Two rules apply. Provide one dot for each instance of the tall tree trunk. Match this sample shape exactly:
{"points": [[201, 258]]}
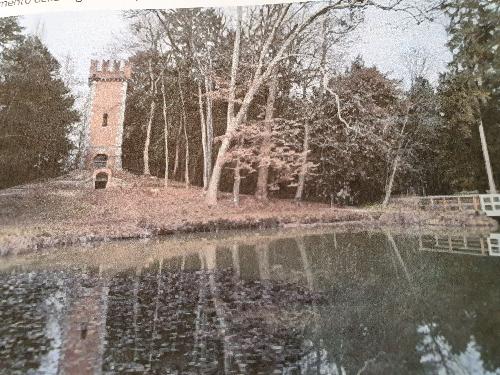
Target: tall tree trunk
{"points": [[390, 184], [167, 164], [205, 122], [166, 132], [237, 176], [213, 187], [80, 155], [186, 158], [152, 110], [177, 148], [484, 144], [146, 171], [203, 138], [262, 72], [486, 156], [265, 149], [323, 85], [184, 124], [303, 170], [237, 183], [209, 123]]}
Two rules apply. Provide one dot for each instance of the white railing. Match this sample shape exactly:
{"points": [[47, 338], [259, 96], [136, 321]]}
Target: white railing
{"points": [[494, 244], [486, 203], [461, 244], [490, 204]]}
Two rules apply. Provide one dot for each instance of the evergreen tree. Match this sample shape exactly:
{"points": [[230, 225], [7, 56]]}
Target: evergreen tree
{"points": [[474, 42], [459, 159], [420, 144], [10, 31], [474, 82], [353, 139], [35, 114]]}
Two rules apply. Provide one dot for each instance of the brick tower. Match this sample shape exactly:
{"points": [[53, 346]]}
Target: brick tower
{"points": [[108, 89]]}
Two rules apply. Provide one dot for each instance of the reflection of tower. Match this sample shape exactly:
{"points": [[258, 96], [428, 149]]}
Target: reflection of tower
{"points": [[108, 86], [84, 333]]}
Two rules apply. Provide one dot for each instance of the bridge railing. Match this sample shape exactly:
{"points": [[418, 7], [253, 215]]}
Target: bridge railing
{"points": [[490, 204], [494, 244], [486, 203], [443, 202]]}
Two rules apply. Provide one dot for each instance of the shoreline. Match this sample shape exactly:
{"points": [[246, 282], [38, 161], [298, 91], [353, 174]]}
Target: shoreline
{"points": [[112, 256], [340, 218], [61, 212]]}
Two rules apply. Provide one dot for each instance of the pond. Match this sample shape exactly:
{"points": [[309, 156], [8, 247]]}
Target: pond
{"points": [[322, 301]]}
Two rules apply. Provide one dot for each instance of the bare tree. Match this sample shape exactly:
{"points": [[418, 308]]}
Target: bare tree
{"points": [[416, 63], [177, 148], [206, 121], [165, 129], [265, 149], [184, 127], [204, 143], [262, 72], [82, 104], [192, 35], [395, 164], [152, 110], [146, 38], [278, 31], [237, 182], [304, 165], [266, 64]]}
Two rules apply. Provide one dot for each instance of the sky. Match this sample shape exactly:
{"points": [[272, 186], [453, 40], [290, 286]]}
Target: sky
{"points": [[81, 35], [382, 40], [386, 36]]}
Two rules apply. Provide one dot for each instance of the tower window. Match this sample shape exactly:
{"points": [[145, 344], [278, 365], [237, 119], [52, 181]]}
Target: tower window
{"points": [[105, 119], [100, 161]]}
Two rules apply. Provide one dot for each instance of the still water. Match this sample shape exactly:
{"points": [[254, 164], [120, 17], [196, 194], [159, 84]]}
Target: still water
{"points": [[322, 302]]}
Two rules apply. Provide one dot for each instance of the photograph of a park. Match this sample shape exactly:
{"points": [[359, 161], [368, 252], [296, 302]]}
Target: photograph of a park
{"points": [[300, 188]]}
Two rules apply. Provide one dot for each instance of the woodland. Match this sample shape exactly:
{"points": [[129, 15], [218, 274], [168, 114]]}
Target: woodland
{"points": [[263, 101]]}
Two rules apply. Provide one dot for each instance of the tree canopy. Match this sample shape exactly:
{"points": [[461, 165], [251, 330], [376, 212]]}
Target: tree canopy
{"points": [[35, 114], [264, 101]]}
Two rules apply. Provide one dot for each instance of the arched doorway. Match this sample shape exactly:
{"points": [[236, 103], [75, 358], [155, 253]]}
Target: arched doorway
{"points": [[100, 161], [101, 180]]}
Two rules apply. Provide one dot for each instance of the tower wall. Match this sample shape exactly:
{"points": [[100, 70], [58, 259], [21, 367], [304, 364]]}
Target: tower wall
{"points": [[108, 85]]}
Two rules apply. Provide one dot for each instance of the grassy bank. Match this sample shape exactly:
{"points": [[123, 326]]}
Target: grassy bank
{"points": [[62, 213]]}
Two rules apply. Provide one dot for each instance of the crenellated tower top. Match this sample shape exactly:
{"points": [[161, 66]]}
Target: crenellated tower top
{"points": [[110, 70]]}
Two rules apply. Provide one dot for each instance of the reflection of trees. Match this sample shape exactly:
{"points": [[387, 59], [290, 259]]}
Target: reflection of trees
{"points": [[368, 321], [381, 291], [49, 322], [458, 299], [450, 294], [437, 355], [25, 301], [206, 319], [252, 308]]}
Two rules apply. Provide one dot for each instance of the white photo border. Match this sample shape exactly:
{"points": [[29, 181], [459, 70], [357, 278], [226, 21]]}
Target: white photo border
{"points": [[26, 7]]}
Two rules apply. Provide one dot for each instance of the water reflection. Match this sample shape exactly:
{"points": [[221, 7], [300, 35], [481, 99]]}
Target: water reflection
{"points": [[325, 303], [461, 244]]}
